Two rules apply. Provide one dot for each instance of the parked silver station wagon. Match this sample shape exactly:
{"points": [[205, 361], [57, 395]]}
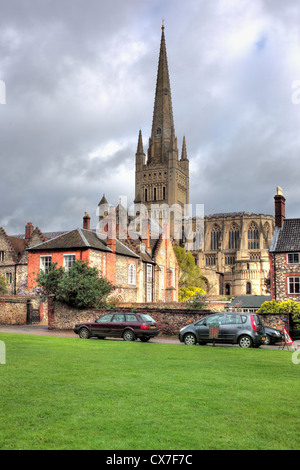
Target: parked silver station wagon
{"points": [[245, 329]]}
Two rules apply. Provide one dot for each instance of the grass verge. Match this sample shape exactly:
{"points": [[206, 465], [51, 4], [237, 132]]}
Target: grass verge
{"points": [[65, 393]]}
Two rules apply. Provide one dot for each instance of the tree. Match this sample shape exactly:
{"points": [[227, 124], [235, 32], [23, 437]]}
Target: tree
{"points": [[3, 285], [190, 275], [284, 306], [80, 286]]}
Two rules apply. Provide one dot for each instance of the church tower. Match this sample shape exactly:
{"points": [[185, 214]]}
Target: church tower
{"points": [[163, 178]]}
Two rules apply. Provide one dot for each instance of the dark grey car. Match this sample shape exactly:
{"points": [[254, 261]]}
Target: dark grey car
{"points": [[245, 329]]}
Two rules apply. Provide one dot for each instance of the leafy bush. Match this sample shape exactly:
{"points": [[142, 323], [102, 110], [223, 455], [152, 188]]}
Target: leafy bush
{"points": [[188, 293], [284, 306], [198, 301], [80, 286]]}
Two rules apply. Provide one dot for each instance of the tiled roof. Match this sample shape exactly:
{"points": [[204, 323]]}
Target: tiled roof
{"points": [[287, 238], [81, 238]]}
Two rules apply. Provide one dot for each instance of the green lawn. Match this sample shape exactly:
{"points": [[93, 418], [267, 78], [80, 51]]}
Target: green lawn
{"points": [[65, 393]]}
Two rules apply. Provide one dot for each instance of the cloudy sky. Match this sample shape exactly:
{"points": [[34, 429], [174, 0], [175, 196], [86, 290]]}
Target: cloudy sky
{"points": [[80, 79]]}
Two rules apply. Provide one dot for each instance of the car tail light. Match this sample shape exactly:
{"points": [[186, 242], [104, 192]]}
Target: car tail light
{"points": [[253, 324], [144, 327]]}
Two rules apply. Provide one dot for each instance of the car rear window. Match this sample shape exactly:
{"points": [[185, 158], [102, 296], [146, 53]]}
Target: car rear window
{"points": [[145, 317], [257, 320]]}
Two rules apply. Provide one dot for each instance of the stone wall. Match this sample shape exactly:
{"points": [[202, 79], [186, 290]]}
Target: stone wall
{"points": [[13, 310], [170, 320], [62, 317]]}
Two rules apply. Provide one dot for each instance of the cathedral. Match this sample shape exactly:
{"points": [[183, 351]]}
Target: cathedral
{"points": [[162, 179], [234, 256]]}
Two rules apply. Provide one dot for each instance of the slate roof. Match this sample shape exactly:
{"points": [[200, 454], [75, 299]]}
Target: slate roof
{"points": [[81, 238], [249, 301], [287, 238]]}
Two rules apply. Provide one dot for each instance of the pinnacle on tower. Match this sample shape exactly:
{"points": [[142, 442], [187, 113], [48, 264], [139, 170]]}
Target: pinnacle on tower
{"points": [[183, 153], [140, 148]]}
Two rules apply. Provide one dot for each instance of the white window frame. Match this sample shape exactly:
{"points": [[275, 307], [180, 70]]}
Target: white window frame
{"points": [[293, 255], [45, 266], [67, 265], [149, 293], [162, 277], [132, 274], [149, 272], [293, 278]]}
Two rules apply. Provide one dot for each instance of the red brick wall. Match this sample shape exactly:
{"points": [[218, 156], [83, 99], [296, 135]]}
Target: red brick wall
{"points": [[57, 257]]}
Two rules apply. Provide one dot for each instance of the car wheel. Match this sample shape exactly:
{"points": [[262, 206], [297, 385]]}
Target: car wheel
{"points": [[245, 341], [190, 339], [128, 335], [84, 333], [144, 339], [267, 341]]}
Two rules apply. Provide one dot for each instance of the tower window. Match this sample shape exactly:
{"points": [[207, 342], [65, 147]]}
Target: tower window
{"points": [[158, 131], [146, 195], [253, 237], [164, 192], [154, 195]]}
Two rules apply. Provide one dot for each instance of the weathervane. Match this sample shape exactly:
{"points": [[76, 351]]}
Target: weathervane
{"points": [[163, 24]]}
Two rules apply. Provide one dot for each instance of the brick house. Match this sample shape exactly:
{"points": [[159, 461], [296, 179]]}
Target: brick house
{"points": [[14, 255], [285, 254], [142, 270]]}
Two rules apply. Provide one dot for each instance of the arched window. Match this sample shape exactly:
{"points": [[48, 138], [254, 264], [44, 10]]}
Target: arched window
{"points": [[215, 238], [146, 195], [234, 234], [248, 288], [253, 237], [227, 289]]}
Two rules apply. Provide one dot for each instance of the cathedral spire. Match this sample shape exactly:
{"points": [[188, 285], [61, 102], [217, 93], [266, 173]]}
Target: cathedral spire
{"points": [[163, 133]]}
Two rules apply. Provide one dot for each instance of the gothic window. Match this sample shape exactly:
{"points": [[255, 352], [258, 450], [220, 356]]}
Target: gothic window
{"points": [[253, 237], [234, 234], [248, 288], [215, 238], [146, 195], [210, 260], [164, 193], [230, 259], [155, 194], [158, 131], [227, 289]]}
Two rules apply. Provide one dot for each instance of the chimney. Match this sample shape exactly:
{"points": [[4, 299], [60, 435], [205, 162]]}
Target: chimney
{"points": [[86, 221], [110, 228], [28, 230], [146, 231], [279, 208]]}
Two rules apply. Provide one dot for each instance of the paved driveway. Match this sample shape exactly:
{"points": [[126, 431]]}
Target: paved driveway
{"points": [[42, 329]]}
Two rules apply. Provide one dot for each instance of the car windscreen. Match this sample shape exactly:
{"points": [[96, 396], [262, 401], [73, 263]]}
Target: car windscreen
{"points": [[145, 317]]}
